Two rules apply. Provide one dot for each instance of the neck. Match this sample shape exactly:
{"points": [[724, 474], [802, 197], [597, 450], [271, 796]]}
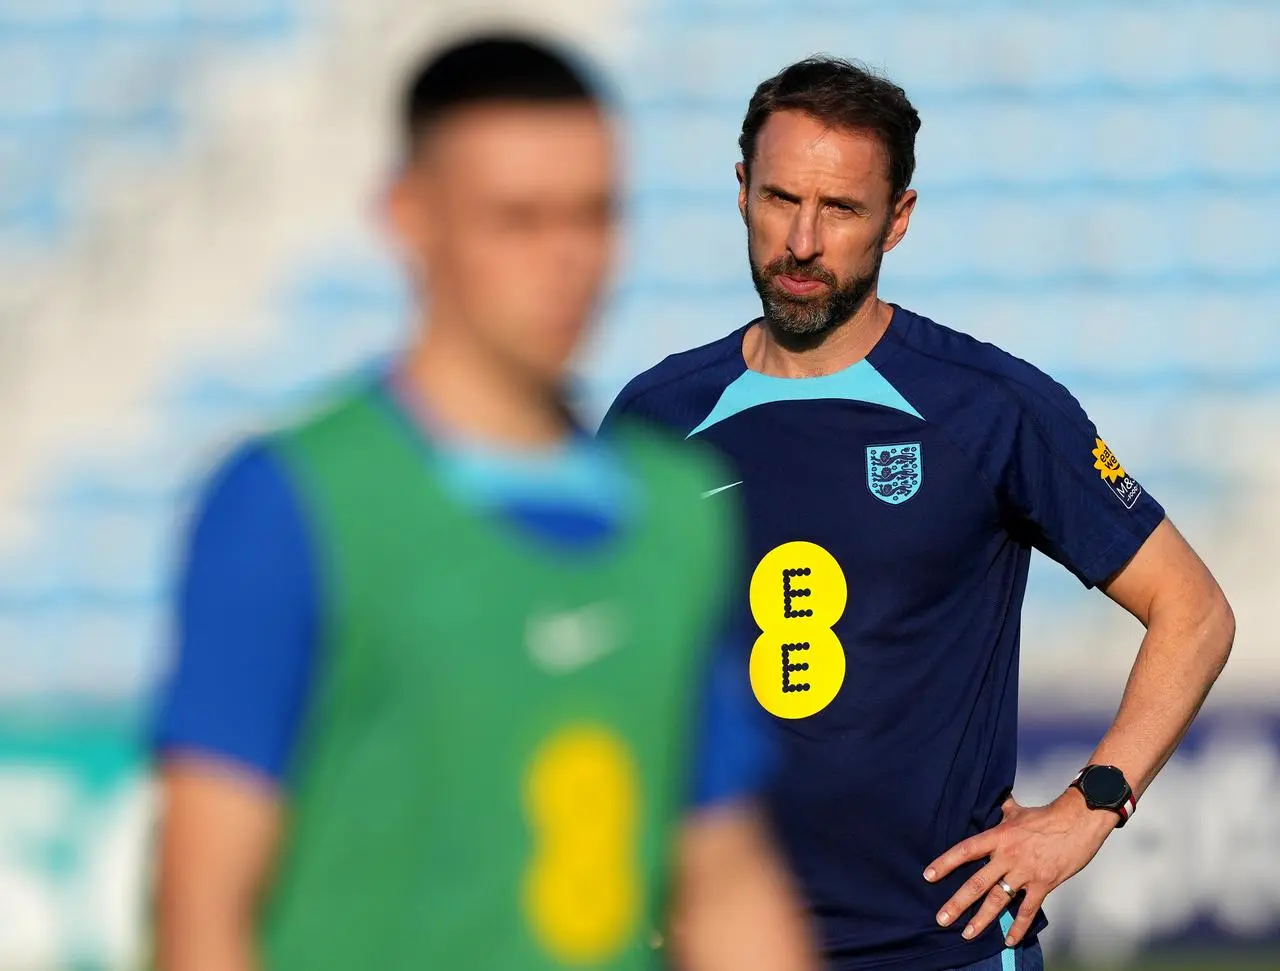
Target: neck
{"points": [[476, 396], [783, 357]]}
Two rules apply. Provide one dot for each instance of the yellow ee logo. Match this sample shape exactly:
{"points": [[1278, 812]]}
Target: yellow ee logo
{"points": [[798, 592], [582, 889]]}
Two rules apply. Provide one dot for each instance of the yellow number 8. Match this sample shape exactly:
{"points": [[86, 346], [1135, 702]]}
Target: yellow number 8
{"points": [[581, 889]]}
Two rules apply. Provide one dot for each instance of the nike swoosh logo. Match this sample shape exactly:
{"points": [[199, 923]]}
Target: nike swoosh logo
{"points": [[563, 642], [564, 660], [711, 492]]}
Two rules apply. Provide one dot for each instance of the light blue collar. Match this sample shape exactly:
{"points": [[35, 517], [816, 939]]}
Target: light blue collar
{"points": [[858, 382], [579, 472]]}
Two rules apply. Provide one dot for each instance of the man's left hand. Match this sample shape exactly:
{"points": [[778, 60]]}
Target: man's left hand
{"points": [[1032, 851]]}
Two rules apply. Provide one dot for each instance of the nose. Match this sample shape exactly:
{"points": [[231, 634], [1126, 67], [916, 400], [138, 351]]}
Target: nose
{"points": [[804, 241]]}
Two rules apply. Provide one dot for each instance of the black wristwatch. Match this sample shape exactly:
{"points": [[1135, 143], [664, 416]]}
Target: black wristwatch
{"points": [[1105, 787]]}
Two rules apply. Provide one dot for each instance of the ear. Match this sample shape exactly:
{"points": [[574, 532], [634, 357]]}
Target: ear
{"points": [[741, 171], [407, 212], [900, 220]]}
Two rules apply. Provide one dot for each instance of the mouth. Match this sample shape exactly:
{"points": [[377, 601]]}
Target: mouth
{"points": [[799, 286]]}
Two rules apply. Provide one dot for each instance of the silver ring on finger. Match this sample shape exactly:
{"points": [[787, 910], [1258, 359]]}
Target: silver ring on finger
{"points": [[1003, 885]]}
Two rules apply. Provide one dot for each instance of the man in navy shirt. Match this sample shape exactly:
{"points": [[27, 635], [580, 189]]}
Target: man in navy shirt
{"points": [[897, 476]]}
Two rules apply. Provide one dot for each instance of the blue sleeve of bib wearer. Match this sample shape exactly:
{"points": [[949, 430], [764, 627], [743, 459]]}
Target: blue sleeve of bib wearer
{"points": [[734, 754], [246, 625]]}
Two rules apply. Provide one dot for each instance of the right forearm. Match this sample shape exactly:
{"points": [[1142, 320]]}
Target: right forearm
{"points": [[204, 945], [218, 834], [736, 909], [747, 929]]}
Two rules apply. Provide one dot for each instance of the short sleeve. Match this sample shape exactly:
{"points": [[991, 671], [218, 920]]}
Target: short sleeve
{"points": [[734, 754], [1063, 485], [618, 411], [246, 624], [634, 405]]}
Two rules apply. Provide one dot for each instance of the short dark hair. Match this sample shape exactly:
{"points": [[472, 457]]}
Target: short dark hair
{"points": [[491, 67], [842, 94]]}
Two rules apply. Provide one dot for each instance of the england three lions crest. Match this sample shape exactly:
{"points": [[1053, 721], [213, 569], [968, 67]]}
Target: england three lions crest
{"points": [[894, 472]]}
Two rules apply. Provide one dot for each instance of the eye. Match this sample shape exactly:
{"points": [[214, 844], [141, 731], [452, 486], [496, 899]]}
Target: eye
{"points": [[774, 195], [841, 207]]}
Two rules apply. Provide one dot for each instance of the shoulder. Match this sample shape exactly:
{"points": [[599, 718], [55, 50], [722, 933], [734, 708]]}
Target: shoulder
{"points": [[947, 373], [336, 424], [249, 526], [249, 485], [256, 495], [678, 391]]}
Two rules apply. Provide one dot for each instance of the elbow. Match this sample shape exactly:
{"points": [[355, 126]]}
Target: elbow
{"points": [[1220, 628]]}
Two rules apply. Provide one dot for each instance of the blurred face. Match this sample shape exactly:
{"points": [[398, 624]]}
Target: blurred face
{"points": [[820, 216], [508, 217]]}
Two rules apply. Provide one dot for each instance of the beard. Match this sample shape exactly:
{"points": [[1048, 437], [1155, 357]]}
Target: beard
{"points": [[810, 318]]}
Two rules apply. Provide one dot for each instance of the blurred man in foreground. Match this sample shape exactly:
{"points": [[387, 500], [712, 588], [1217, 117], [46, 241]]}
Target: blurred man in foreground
{"points": [[447, 665], [897, 475]]}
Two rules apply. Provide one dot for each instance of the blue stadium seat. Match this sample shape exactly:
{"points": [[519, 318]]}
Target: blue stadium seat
{"points": [[30, 649], [1132, 140], [136, 14], [1231, 138], [40, 15], [961, 51], [127, 81], [120, 550], [31, 573], [1235, 234], [34, 80], [141, 638], [683, 149], [1234, 45], [700, 243], [32, 209], [245, 18], [1141, 47]]}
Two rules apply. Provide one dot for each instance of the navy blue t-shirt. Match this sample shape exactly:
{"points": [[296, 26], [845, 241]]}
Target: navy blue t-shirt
{"points": [[892, 508]]}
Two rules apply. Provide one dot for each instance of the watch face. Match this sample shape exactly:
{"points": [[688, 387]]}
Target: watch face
{"points": [[1104, 786]]}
